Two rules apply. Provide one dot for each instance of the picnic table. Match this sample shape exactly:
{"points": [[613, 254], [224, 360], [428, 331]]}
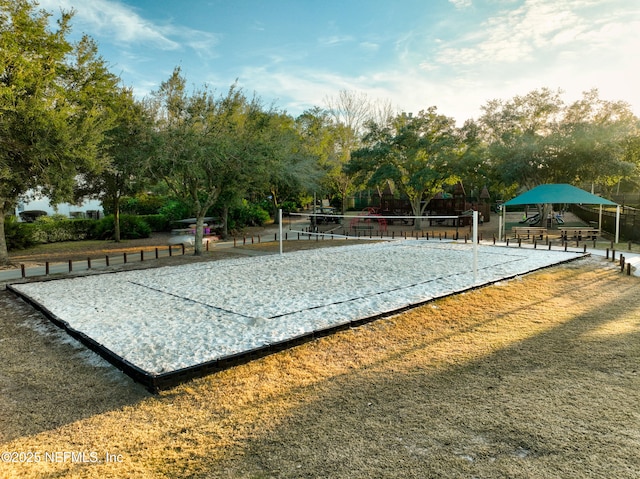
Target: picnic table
{"points": [[579, 233], [529, 231]]}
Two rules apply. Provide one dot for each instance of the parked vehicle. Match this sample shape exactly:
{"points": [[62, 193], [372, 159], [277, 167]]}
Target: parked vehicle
{"points": [[327, 214]]}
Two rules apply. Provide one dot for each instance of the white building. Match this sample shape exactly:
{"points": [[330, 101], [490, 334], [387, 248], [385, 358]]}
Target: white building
{"points": [[86, 209]]}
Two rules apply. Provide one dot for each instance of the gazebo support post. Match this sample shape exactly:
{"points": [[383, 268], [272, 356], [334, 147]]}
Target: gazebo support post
{"points": [[617, 223]]}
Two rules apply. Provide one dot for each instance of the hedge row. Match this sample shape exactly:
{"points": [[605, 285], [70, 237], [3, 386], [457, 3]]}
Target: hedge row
{"points": [[52, 229]]}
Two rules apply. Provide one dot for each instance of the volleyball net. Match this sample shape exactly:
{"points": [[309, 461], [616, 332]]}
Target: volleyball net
{"points": [[370, 224]]}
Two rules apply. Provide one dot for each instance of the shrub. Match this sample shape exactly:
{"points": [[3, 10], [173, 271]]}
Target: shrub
{"points": [[18, 235], [248, 214], [157, 222], [52, 229], [131, 227]]}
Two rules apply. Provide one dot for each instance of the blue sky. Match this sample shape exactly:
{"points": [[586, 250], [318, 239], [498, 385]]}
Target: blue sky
{"points": [[454, 54]]}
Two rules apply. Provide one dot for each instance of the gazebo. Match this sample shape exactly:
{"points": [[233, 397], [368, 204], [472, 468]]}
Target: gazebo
{"points": [[560, 194]]}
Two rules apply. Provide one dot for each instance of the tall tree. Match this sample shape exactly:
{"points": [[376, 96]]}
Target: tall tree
{"points": [[519, 134], [55, 106], [205, 145], [126, 145], [349, 112], [417, 153], [536, 138], [592, 142], [292, 166]]}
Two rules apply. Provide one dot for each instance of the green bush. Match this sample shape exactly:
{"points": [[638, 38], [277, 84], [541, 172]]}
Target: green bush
{"points": [[56, 228], [175, 210], [248, 214], [131, 227], [18, 235], [289, 206], [157, 222]]}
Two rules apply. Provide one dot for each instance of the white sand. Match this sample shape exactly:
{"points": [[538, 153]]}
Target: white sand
{"points": [[169, 318]]}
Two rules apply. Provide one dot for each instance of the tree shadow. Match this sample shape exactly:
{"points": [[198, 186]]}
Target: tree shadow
{"points": [[48, 379], [559, 403]]}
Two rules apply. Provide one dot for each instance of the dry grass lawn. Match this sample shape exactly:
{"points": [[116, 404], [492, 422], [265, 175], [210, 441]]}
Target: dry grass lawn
{"points": [[532, 378]]}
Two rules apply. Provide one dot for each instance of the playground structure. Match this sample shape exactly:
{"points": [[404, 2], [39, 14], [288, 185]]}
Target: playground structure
{"points": [[442, 204], [536, 219], [367, 222]]}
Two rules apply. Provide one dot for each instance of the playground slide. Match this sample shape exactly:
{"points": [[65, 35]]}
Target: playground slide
{"points": [[532, 220]]}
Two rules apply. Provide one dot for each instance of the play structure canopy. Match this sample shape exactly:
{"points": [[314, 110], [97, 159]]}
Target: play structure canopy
{"points": [[558, 194]]}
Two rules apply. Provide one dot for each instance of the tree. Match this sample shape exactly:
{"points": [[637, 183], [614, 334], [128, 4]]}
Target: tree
{"points": [[536, 139], [126, 147], [205, 146], [292, 167], [349, 112], [54, 103], [417, 153], [472, 167], [592, 142], [519, 136]]}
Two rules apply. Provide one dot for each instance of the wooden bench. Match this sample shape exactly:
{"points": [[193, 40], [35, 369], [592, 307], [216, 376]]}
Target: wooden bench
{"points": [[579, 233], [529, 231]]}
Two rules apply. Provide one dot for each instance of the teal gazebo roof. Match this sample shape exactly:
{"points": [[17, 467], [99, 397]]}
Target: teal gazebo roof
{"points": [[558, 193]]}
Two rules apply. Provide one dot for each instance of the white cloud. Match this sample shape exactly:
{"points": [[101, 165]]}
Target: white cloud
{"points": [[124, 25], [461, 4], [335, 40], [370, 46]]}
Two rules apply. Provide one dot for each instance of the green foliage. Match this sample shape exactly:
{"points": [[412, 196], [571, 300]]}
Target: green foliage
{"points": [[175, 210], [418, 154], [19, 235], [537, 138], [289, 206], [142, 204], [56, 228], [55, 99], [131, 227], [157, 222], [248, 214]]}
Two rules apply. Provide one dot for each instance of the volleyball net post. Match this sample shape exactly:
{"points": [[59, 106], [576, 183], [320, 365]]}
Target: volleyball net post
{"points": [[280, 229], [475, 246]]}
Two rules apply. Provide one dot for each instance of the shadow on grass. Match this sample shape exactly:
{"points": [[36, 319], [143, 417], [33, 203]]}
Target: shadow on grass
{"points": [[556, 399], [535, 377], [49, 380]]}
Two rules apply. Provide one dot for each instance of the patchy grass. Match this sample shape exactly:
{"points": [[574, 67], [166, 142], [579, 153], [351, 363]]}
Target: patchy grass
{"points": [[535, 377]]}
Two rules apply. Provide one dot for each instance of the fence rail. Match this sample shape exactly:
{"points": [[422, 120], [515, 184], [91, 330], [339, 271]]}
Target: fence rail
{"points": [[629, 220]]}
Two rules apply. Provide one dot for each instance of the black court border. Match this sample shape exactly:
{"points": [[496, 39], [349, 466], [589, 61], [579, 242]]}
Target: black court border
{"points": [[159, 382]]}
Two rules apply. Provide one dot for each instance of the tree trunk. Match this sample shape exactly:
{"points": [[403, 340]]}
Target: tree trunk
{"points": [[197, 250], [116, 219], [225, 222], [417, 211], [4, 253], [275, 207]]}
